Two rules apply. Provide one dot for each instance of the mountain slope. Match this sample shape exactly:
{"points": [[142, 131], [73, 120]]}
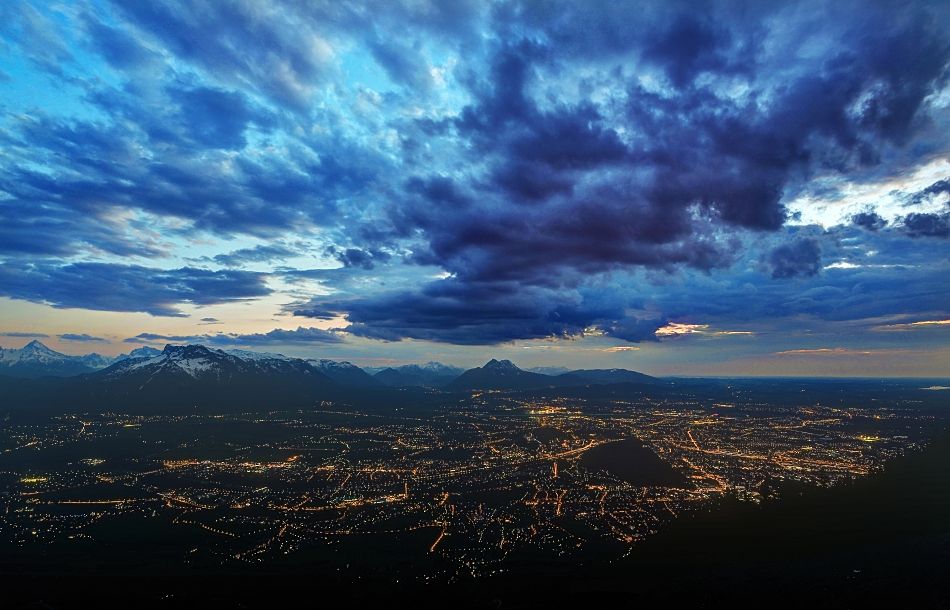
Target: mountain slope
{"points": [[431, 375], [198, 375], [345, 373]]}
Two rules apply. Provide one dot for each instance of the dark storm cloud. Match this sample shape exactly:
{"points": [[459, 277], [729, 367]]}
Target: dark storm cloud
{"points": [[927, 225], [454, 314], [356, 257], [634, 330], [257, 254], [438, 190], [571, 142], [82, 338], [468, 313], [690, 46], [692, 158], [734, 158], [112, 287], [796, 259], [869, 220]]}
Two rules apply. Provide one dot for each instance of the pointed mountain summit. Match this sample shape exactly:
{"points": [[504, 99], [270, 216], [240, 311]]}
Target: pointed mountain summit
{"points": [[36, 349], [501, 366], [499, 375], [35, 360]]}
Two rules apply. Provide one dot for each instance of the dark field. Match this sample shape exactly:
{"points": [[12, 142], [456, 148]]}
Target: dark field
{"points": [[633, 462]]}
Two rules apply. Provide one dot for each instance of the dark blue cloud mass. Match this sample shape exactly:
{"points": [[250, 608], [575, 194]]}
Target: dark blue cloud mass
{"points": [[17, 334], [477, 173], [927, 225], [112, 287], [799, 258], [869, 220]]}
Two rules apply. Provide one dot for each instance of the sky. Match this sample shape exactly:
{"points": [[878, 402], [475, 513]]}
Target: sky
{"points": [[681, 188]]}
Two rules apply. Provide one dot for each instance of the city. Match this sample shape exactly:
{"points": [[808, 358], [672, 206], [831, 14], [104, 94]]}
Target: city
{"points": [[463, 490]]}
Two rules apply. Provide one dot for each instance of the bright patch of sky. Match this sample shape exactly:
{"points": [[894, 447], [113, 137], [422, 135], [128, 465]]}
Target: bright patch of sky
{"points": [[890, 198]]}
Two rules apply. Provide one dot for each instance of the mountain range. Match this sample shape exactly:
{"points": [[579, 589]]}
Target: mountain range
{"points": [[200, 375], [35, 360], [429, 375]]}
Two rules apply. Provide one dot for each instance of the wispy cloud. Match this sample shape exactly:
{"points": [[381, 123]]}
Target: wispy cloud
{"points": [[837, 351], [23, 334], [677, 329], [922, 324], [82, 338]]}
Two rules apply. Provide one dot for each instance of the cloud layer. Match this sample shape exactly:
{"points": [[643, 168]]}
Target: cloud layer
{"points": [[475, 173]]}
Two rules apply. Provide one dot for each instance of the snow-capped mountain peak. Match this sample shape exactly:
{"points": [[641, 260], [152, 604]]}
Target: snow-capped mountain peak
{"points": [[439, 368], [37, 360], [244, 354], [38, 352], [144, 352], [34, 352]]}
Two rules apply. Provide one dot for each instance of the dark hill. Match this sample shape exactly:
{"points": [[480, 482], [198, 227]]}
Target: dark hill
{"points": [[499, 375]]}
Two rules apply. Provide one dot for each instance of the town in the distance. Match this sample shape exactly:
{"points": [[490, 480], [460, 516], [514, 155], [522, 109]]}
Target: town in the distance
{"points": [[230, 459]]}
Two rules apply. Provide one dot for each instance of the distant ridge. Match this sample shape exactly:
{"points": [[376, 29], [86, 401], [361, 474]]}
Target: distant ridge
{"points": [[180, 371], [431, 374], [35, 360], [504, 375], [602, 376], [345, 373]]}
